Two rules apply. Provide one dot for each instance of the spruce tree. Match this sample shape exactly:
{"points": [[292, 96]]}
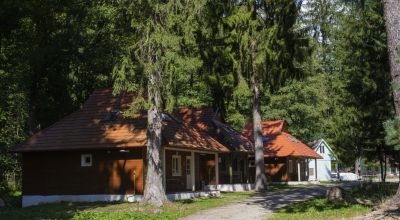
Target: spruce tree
{"points": [[159, 54]]}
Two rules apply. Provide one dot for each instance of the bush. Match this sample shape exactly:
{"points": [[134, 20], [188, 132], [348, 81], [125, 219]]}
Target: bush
{"points": [[11, 194]]}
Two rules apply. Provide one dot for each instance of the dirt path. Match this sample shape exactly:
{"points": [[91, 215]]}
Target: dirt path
{"points": [[259, 206]]}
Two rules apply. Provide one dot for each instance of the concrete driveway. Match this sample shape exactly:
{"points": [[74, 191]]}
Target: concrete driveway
{"points": [[261, 205]]}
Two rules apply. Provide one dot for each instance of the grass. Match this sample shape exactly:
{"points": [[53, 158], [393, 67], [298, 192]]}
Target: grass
{"points": [[278, 187], [328, 182], [92, 211], [376, 193], [319, 208]]}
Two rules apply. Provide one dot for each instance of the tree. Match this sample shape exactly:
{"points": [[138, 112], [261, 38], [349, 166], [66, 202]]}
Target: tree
{"points": [[270, 49], [392, 20], [161, 52]]}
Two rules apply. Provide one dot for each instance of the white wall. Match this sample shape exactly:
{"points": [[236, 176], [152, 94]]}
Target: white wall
{"points": [[324, 170], [324, 166]]}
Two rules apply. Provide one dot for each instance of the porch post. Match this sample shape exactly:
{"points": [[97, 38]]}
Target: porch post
{"points": [[230, 169], [164, 174], [216, 169], [316, 169], [192, 170], [298, 171]]}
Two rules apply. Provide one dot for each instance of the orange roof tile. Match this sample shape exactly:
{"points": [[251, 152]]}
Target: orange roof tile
{"points": [[207, 120], [279, 143], [84, 129]]}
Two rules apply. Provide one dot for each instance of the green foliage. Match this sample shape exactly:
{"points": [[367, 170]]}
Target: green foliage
{"points": [[52, 56], [362, 56], [163, 43], [392, 130], [306, 107]]}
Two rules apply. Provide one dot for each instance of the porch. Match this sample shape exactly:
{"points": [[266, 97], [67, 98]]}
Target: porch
{"points": [[286, 169], [189, 170]]}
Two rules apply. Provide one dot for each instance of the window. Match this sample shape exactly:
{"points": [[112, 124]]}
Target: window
{"points": [[311, 171], [222, 163], [235, 164], [264, 139], [188, 161], [86, 160], [252, 163], [111, 116], [322, 150], [176, 165], [290, 166]]}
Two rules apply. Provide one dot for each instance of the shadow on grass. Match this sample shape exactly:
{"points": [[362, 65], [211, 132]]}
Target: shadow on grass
{"points": [[62, 210], [185, 201], [319, 204]]}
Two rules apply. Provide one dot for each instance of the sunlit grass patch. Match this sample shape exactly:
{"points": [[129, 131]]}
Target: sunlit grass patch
{"points": [[94, 211], [319, 208]]}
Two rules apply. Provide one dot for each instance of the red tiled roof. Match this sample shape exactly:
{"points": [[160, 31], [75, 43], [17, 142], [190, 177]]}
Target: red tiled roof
{"points": [[84, 129], [206, 120], [279, 143]]}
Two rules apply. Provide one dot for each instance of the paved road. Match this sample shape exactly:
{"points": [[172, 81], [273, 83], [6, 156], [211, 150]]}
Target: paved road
{"points": [[259, 206]]}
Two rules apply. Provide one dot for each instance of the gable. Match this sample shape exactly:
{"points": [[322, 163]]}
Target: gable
{"points": [[327, 150]]}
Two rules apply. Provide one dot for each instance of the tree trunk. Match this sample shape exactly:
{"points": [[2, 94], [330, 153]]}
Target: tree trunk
{"points": [[385, 167], [391, 10], [357, 166], [261, 179], [392, 20], [381, 167], [154, 191]]}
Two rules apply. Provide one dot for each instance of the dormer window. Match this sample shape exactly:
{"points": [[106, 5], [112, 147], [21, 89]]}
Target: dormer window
{"points": [[165, 117], [86, 160], [111, 116], [264, 139]]}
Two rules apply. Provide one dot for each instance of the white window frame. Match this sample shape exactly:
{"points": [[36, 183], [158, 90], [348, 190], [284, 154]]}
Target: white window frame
{"points": [[176, 165], [290, 166], [188, 166], [83, 160]]}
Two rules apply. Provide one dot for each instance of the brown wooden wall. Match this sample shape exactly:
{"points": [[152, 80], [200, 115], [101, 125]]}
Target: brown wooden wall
{"points": [[276, 169], [206, 171], [60, 173], [175, 183], [240, 170], [303, 167]]}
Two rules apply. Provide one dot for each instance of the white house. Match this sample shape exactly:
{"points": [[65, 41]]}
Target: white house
{"points": [[321, 169]]}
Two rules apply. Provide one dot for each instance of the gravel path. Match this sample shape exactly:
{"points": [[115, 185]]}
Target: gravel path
{"points": [[259, 206]]}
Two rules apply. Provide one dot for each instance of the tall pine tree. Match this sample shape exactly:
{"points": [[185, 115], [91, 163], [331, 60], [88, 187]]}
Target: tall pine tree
{"points": [[162, 52]]}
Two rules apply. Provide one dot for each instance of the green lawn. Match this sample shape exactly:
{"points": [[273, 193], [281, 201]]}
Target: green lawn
{"points": [[319, 208], [90, 211]]}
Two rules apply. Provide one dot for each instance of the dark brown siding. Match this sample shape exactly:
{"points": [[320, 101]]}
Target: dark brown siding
{"points": [[276, 169], [240, 168], [206, 169], [175, 183], [60, 173]]}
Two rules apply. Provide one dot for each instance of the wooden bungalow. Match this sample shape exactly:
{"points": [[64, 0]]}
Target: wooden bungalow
{"points": [[286, 158], [233, 166], [96, 154]]}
